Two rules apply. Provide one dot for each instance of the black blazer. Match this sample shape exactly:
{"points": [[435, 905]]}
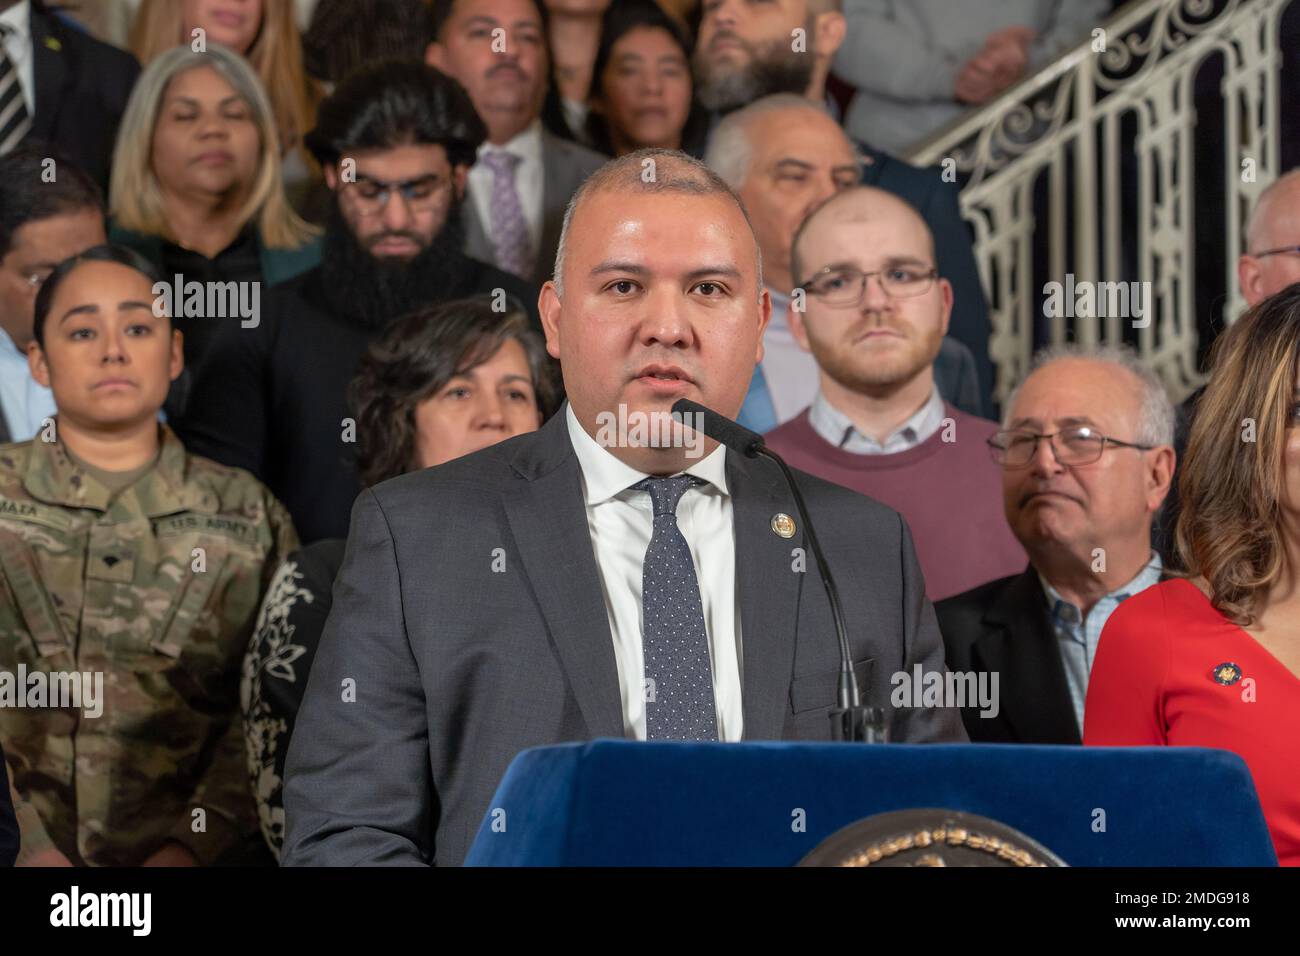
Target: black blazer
{"points": [[9, 840], [954, 255], [459, 668], [82, 86], [1004, 627]]}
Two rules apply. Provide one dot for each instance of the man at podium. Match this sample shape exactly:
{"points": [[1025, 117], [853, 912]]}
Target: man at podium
{"points": [[608, 575]]}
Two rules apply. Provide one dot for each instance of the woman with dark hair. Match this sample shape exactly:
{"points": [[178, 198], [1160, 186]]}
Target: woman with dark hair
{"points": [[440, 383], [641, 91], [1213, 659], [333, 46]]}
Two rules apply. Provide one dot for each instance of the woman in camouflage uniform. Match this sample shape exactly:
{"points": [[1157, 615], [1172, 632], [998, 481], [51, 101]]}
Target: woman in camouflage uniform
{"points": [[132, 573]]}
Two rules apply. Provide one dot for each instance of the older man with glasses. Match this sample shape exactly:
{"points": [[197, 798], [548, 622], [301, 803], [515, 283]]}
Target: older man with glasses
{"points": [[1087, 459], [872, 310], [1273, 240]]}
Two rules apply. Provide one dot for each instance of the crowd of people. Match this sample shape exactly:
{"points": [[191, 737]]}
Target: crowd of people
{"points": [[335, 523]]}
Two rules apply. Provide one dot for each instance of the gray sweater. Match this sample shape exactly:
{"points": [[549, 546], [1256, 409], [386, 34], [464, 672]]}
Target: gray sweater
{"points": [[904, 57]]}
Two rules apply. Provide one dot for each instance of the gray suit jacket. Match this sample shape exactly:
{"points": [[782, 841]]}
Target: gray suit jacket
{"points": [[564, 167], [469, 619]]}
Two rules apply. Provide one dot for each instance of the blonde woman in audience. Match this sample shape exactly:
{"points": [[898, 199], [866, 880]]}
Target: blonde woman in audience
{"points": [[265, 32], [196, 185]]}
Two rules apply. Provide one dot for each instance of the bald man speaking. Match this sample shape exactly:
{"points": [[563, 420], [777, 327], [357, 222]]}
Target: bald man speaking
{"points": [[608, 575]]}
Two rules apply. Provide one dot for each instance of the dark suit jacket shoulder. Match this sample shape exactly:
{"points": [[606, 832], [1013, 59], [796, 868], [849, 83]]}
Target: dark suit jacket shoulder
{"points": [[1003, 627], [469, 615], [82, 87]]}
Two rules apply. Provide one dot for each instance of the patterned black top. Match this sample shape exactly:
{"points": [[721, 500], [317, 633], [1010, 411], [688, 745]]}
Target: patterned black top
{"points": [[276, 666]]}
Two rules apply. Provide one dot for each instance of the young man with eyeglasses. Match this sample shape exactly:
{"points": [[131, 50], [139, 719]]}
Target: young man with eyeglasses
{"points": [[785, 156], [1087, 460], [396, 141], [875, 314], [44, 219]]}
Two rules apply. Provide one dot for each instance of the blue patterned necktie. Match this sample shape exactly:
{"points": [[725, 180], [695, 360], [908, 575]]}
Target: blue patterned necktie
{"points": [[679, 702]]}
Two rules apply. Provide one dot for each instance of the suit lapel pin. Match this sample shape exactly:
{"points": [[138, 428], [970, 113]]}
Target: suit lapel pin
{"points": [[52, 43], [783, 525], [1227, 674]]}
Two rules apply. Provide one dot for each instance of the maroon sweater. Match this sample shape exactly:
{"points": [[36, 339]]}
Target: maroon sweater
{"points": [[949, 493]]}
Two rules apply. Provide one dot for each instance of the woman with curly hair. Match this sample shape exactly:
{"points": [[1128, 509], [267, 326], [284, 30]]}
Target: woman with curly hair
{"points": [[441, 383], [1213, 659]]}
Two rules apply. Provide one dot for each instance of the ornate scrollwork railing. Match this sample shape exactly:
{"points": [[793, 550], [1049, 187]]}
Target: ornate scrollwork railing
{"points": [[1090, 162]]}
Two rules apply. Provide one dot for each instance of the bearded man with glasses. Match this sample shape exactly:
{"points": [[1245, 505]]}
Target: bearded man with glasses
{"points": [[1087, 459], [874, 315], [396, 141]]}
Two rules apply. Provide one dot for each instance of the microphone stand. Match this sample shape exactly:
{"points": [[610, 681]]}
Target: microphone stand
{"points": [[850, 719]]}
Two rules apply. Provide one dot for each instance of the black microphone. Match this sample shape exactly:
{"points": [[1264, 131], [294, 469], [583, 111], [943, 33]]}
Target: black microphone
{"points": [[850, 719]]}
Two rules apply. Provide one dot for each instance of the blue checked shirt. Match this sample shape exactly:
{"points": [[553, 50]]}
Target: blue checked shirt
{"points": [[1078, 636]]}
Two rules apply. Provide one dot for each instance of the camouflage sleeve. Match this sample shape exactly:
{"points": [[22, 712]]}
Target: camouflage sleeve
{"points": [[228, 816], [284, 539], [223, 793]]}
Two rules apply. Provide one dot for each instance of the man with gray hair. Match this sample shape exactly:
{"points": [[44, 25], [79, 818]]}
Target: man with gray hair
{"points": [[605, 575], [784, 155], [1087, 459]]}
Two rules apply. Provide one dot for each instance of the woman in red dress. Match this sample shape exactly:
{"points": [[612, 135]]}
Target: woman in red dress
{"points": [[1213, 659]]}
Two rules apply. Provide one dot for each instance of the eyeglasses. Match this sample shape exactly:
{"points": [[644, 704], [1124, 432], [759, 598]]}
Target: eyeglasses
{"points": [[1283, 251], [422, 194], [1079, 445], [842, 286]]}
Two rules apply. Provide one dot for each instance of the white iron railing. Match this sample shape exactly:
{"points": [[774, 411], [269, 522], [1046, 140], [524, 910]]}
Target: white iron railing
{"points": [[1143, 63]]}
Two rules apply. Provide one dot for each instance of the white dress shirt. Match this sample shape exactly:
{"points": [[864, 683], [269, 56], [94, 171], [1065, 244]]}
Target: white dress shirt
{"points": [[791, 373], [529, 181], [838, 429], [25, 402], [18, 45], [621, 521]]}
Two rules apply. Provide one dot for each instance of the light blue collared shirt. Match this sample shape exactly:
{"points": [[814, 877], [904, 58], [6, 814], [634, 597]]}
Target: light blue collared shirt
{"points": [[1078, 637], [838, 429], [25, 402]]}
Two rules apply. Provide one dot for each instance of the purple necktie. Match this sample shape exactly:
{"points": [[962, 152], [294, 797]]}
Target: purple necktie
{"points": [[508, 228]]}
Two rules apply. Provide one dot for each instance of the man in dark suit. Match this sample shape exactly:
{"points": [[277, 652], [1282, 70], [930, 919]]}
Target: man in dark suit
{"points": [[745, 52], [525, 174], [1087, 460], [590, 579], [72, 88]]}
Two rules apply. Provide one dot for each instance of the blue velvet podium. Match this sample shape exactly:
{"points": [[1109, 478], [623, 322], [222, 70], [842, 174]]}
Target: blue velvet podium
{"points": [[624, 803]]}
